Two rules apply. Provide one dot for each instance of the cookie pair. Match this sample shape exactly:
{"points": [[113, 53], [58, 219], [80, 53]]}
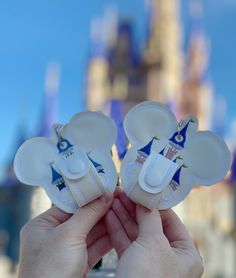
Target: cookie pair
{"points": [[165, 160]]}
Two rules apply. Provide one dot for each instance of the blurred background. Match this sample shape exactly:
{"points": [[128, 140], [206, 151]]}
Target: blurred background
{"points": [[61, 57]]}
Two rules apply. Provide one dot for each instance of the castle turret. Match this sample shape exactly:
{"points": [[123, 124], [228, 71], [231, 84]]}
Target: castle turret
{"points": [[145, 151], [50, 105], [163, 55], [178, 139], [64, 145], [97, 165], [57, 179], [175, 182], [103, 36], [197, 88]]}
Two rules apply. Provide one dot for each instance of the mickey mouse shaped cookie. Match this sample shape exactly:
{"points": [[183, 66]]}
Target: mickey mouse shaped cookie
{"points": [[74, 164], [167, 158]]}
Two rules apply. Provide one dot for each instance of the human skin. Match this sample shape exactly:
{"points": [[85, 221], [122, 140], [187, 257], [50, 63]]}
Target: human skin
{"points": [[151, 243], [57, 244], [148, 244]]}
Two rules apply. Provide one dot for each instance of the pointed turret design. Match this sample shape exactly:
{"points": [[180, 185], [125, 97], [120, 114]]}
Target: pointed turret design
{"points": [[178, 139], [175, 182], [57, 179], [97, 165], [145, 151], [162, 151], [64, 145]]}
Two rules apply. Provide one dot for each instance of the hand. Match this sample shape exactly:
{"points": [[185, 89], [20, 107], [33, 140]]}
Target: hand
{"points": [[56, 244], [151, 243]]}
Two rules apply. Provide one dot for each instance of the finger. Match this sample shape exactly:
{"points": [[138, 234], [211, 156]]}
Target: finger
{"points": [[99, 230], [118, 236], [86, 217], [129, 205], [51, 218], [98, 249], [127, 221], [117, 192], [174, 229], [149, 222]]}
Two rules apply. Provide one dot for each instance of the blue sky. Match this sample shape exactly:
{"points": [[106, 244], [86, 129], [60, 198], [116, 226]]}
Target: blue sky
{"points": [[32, 33]]}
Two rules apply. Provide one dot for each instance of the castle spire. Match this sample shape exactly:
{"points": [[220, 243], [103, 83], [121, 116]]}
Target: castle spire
{"points": [[50, 107], [164, 75], [97, 165], [197, 95], [57, 179], [175, 182], [63, 145], [146, 150], [162, 151], [178, 139]]}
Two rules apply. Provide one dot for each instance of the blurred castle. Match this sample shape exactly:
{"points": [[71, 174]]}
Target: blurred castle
{"points": [[120, 76]]}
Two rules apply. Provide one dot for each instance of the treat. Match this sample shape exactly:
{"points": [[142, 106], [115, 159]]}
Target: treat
{"points": [[167, 158], [74, 165]]}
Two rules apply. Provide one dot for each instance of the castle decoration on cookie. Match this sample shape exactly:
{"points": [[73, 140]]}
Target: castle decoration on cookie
{"points": [[97, 165], [173, 158], [65, 165], [64, 147], [176, 142], [57, 179], [144, 152]]}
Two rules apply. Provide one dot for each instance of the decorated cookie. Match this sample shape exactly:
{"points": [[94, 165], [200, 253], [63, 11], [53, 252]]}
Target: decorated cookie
{"points": [[74, 165], [167, 158]]}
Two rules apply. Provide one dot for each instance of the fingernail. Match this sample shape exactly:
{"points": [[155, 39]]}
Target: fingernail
{"points": [[106, 197]]}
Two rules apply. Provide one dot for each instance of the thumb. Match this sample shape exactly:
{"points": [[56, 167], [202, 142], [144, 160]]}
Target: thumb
{"points": [[149, 222], [86, 217]]}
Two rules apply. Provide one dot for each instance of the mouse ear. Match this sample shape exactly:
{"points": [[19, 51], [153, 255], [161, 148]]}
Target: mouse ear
{"points": [[91, 131], [208, 158], [31, 163], [149, 119]]}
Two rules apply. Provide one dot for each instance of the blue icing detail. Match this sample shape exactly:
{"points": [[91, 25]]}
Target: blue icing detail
{"points": [[101, 171], [176, 177], [162, 151], [97, 165], [182, 133], [177, 157], [57, 179], [63, 145], [146, 150]]}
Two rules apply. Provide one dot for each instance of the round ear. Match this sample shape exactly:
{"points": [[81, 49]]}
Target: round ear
{"points": [[91, 130], [207, 157], [31, 163], [149, 119]]}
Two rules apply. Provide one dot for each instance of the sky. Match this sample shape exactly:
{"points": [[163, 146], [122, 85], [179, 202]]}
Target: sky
{"points": [[33, 33]]}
